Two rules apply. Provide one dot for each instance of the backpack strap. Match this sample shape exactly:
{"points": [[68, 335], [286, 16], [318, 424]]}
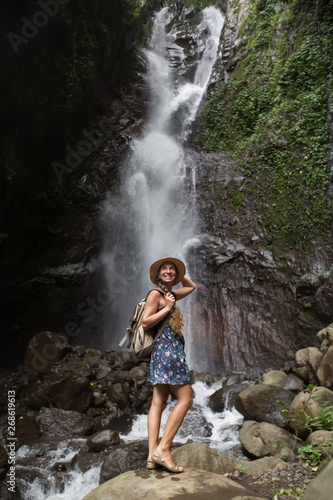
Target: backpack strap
{"points": [[123, 340]]}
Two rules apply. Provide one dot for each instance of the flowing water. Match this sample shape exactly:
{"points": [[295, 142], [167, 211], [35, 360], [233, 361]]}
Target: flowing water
{"points": [[220, 433], [152, 215], [216, 430]]}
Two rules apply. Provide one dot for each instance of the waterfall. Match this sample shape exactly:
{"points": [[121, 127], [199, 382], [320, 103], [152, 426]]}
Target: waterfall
{"points": [[154, 212]]}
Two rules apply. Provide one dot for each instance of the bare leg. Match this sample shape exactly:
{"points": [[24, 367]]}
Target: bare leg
{"points": [[160, 397], [184, 397]]}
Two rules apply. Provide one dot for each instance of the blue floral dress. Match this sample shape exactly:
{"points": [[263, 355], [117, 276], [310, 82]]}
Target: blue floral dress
{"points": [[167, 363]]}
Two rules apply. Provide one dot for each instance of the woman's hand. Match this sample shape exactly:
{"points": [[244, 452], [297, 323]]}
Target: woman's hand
{"points": [[169, 301]]}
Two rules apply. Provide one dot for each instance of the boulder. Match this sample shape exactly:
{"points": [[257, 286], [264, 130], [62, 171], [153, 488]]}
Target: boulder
{"points": [[307, 404], [230, 392], [320, 437], [264, 439], [307, 359], [324, 369], [45, 349], [102, 440], [215, 402], [321, 487], [124, 458], [195, 424], [294, 383], [71, 392], [275, 377], [56, 422], [141, 397], [125, 360], [264, 403], [161, 485], [261, 465], [115, 419], [326, 335], [118, 393], [86, 460], [200, 456], [139, 371]]}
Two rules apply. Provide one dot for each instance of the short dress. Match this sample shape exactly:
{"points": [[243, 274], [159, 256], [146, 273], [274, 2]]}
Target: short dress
{"points": [[168, 362]]}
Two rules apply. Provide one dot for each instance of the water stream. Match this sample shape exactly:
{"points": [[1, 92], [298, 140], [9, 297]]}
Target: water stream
{"points": [[48, 462]]}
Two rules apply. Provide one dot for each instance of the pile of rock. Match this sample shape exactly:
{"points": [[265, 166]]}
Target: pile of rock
{"points": [[66, 391]]}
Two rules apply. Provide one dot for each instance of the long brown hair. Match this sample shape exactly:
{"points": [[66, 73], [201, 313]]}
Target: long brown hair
{"points": [[176, 321]]}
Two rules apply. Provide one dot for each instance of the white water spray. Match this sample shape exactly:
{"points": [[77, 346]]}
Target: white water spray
{"points": [[222, 435]]}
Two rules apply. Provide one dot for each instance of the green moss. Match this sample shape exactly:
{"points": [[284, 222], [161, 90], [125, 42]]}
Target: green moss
{"points": [[235, 198], [273, 116]]}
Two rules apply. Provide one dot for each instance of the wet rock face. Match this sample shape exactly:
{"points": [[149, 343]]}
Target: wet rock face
{"points": [[253, 307], [186, 35], [56, 422]]}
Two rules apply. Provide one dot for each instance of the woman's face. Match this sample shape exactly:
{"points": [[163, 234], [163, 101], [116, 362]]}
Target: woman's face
{"points": [[167, 272]]}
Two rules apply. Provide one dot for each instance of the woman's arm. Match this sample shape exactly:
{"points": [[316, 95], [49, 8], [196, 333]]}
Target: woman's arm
{"points": [[187, 288], [152, 315]]}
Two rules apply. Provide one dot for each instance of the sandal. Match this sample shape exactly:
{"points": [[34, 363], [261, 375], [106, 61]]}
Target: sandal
{"points": [[151, 464], [159, 460]]}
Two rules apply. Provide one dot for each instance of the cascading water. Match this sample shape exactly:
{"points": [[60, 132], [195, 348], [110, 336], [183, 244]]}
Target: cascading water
{"points": [[154, 213]]}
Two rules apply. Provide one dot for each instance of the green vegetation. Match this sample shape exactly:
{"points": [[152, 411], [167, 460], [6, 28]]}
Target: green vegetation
{"points": [[202, 4], [309, 454], [287, 492], [85, 43], [274, 116], [235, 197]]}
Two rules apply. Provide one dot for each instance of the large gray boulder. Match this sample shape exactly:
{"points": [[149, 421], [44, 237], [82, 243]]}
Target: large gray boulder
{"points": [[322, 486], [161, 485], [264, 403], [324, 369], [264, 439], [102, 440], [307, 405], [307, 360], [325, 336], [200, 456]]}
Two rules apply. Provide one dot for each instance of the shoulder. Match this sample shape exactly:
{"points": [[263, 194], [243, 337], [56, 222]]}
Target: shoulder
{"points": [[154, 295], [156, 292]]}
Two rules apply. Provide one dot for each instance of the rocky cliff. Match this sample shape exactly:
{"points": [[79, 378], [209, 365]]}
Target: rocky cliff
{"points": [[70, 110]]}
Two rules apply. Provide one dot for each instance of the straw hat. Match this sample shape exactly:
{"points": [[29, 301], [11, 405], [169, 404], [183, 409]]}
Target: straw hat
{"points": [[180, 266]]}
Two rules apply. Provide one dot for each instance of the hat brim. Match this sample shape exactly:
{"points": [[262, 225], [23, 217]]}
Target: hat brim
{"points": [[180, 266]]}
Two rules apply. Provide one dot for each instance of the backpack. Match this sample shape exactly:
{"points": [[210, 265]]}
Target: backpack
{"points": [[139, 340]]}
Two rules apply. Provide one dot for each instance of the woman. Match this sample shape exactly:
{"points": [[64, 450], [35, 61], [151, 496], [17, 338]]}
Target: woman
{"points": [[168, 370]]}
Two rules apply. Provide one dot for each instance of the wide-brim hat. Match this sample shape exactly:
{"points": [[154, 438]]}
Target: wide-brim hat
{"points": [[180, 266]]}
